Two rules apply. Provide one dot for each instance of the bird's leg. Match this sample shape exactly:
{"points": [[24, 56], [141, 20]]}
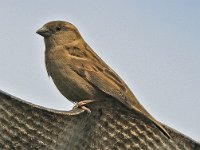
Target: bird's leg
{"points": [[82, 104]]}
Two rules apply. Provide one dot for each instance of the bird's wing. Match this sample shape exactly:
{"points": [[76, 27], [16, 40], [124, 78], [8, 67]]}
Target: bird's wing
{"points": [[102, 78], [96, 72]]}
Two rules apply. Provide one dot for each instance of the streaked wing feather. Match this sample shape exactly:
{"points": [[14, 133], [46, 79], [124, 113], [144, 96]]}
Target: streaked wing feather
{"points": [[102, 80]]}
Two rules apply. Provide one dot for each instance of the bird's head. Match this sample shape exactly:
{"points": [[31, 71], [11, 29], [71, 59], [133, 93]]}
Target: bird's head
{"points": [[59, 32]]}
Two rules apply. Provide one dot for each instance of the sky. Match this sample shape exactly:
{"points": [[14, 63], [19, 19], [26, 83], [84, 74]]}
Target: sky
{"points": [[153, 45]]}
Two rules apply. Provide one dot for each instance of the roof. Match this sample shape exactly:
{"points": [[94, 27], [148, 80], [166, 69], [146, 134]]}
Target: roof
{"points": [[111, 125]]}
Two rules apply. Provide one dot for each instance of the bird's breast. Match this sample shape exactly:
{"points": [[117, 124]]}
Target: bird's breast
{"points": [[69, 83]]}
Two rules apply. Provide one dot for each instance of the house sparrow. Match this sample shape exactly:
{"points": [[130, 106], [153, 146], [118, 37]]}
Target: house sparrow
{"points": [[80, 74]]}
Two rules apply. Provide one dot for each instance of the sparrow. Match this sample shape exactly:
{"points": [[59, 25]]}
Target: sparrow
{"points": [[80, 74]]}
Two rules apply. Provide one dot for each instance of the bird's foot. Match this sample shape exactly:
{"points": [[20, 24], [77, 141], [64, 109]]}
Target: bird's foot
{"points": [[82, 104]]}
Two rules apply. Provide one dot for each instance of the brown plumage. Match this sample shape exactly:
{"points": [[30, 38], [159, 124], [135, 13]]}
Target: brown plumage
{"points": [[79, 73]]}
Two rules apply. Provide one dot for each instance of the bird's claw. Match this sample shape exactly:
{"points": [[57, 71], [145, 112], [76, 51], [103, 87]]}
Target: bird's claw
{"points": [[82, 104]]}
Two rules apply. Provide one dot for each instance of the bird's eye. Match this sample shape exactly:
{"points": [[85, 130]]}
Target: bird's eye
{"points": [[58, 28]]}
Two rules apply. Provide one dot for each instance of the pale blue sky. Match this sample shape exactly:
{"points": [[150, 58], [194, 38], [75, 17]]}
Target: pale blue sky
{"points": [[153, 45]]}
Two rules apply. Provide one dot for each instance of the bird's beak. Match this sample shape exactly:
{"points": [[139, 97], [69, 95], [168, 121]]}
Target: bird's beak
{"points": [[43, 32]]}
